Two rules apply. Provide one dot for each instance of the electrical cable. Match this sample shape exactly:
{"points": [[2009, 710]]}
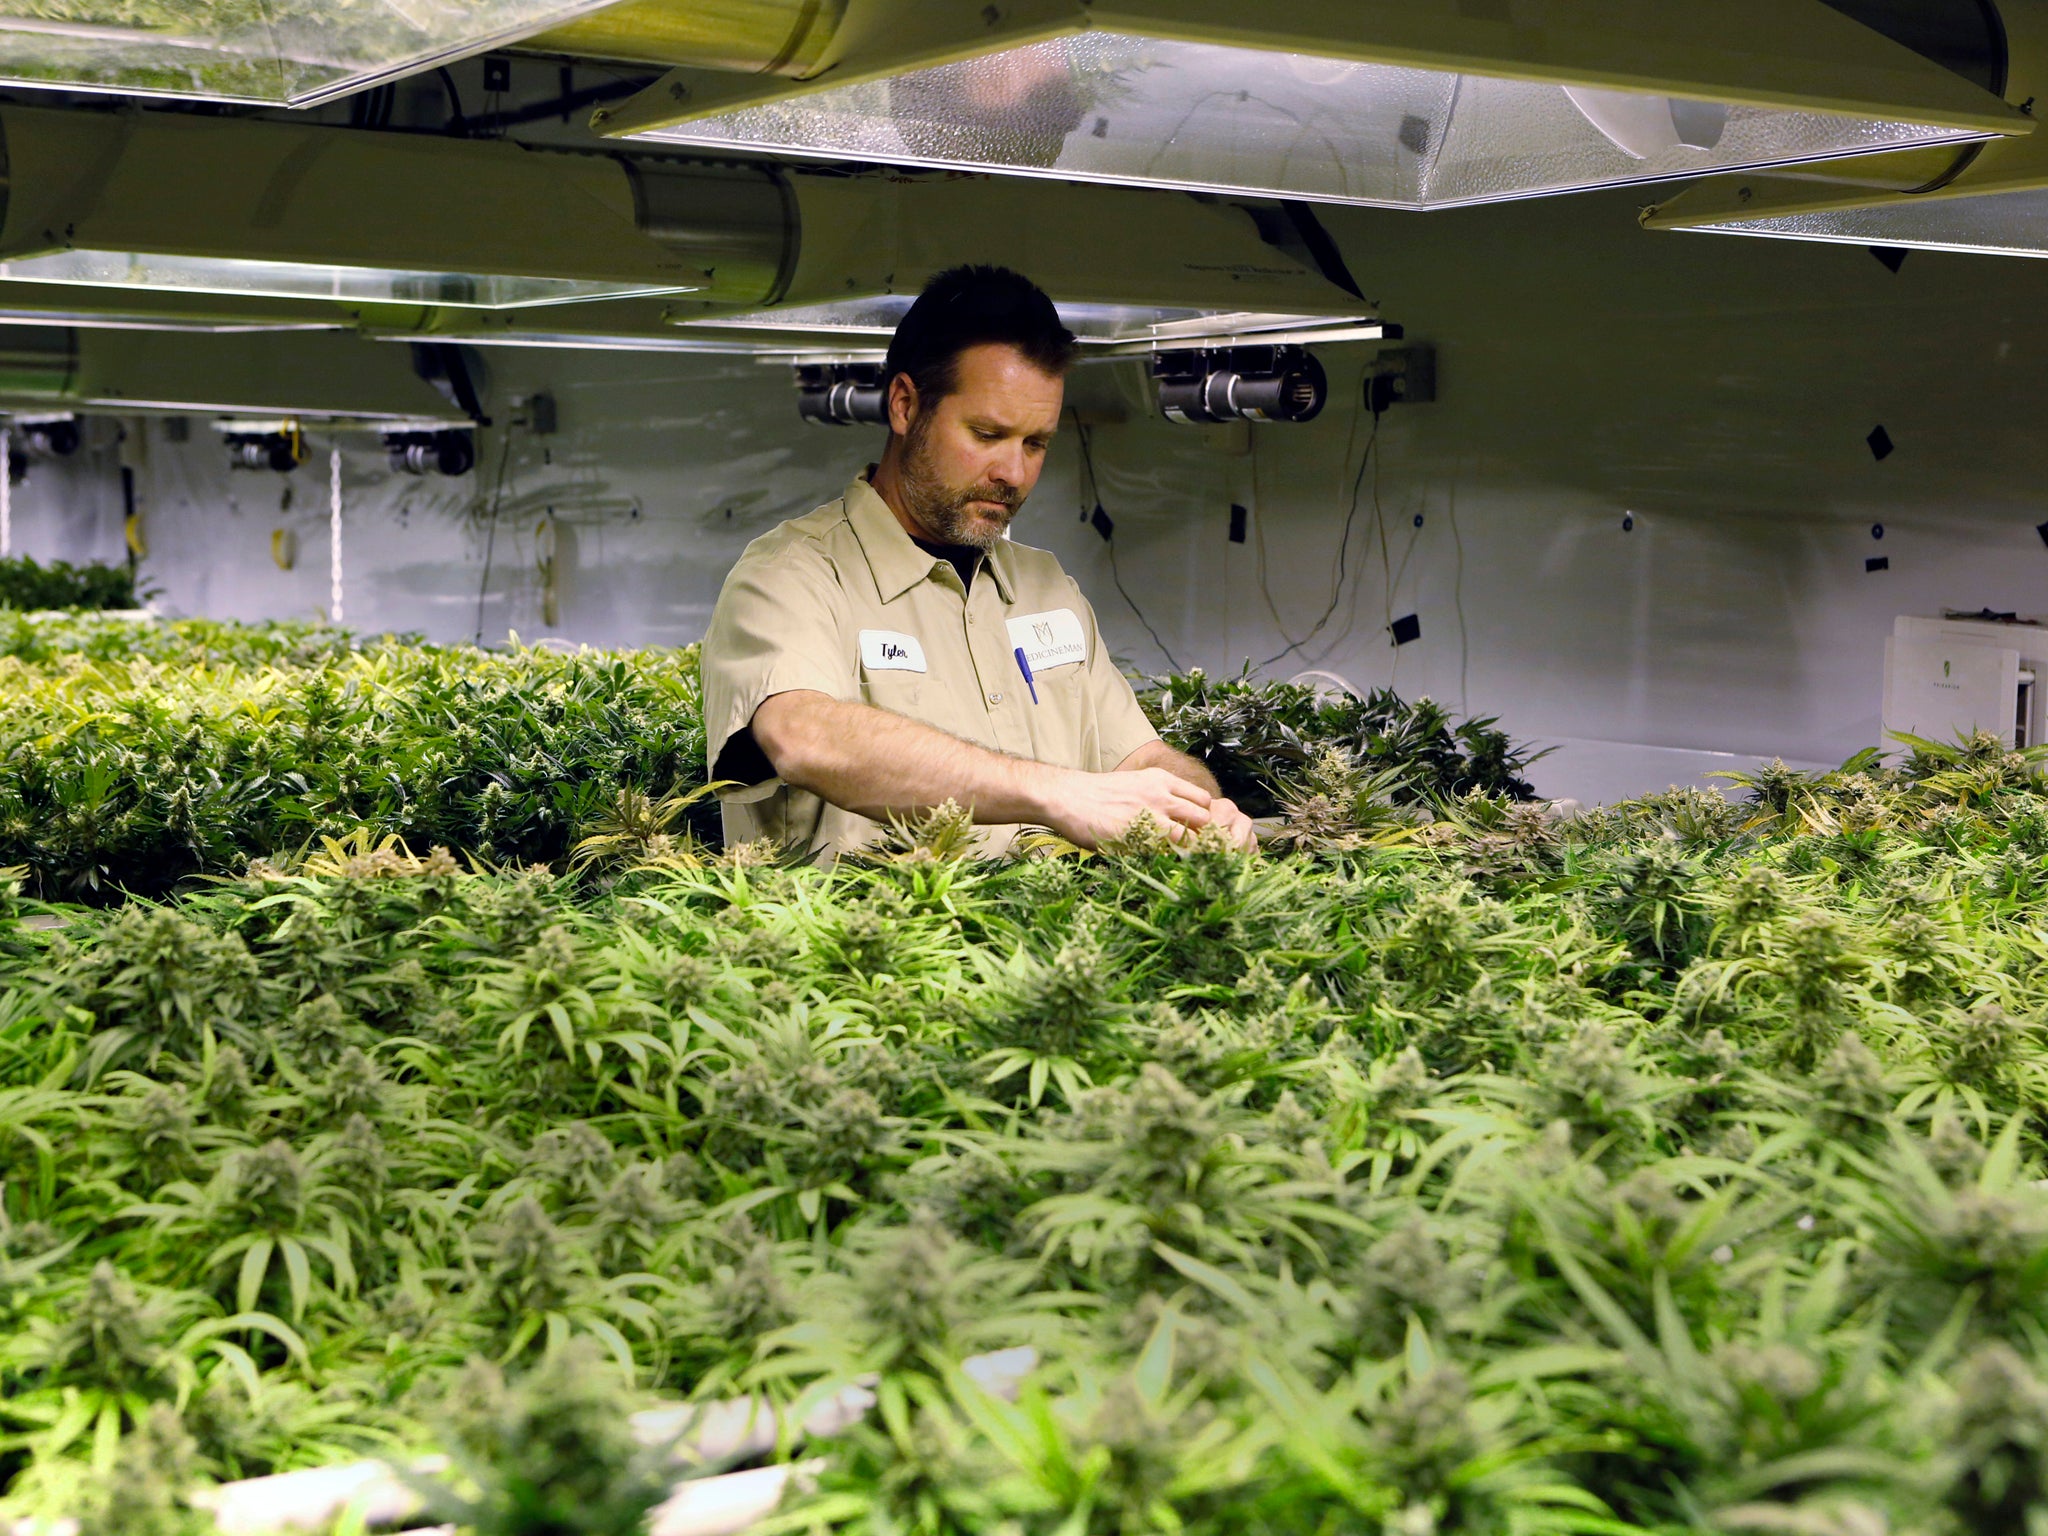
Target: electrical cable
{"points": [[1117, 577], [1343, 546], [334, 613], [1258, 521], [1392, 584], [1458, 599], [458, 124], [1095, 485], [1390, 579], [491, 535]]}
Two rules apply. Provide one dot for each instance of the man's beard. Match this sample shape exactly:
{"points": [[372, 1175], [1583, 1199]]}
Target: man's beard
{"points": [[942, 510]]}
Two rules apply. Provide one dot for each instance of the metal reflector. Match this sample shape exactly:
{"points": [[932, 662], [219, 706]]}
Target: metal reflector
{"points": [[1992, 224], [1991, 199], [1400, 103], [314, 280], [295, 51], [874, 319]]}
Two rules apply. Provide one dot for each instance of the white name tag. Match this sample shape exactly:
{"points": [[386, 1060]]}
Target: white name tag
{"points": [[883, 650], [1052, 639]]}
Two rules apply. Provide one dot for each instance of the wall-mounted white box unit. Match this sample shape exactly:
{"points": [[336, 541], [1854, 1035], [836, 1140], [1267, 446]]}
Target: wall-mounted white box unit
{"points": [[1945, 678]]}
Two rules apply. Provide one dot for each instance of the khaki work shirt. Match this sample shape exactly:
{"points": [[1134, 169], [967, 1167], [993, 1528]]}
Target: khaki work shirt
{"points": [[843, 603]]}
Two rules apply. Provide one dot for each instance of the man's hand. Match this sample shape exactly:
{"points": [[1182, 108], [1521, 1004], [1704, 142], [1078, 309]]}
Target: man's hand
{"points": [[1235, 824], [1223, 813], [878, 764], [1090, 809]]}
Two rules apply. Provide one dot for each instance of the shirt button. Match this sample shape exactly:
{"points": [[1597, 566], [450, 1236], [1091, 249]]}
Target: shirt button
{"points": [[970, 618], [995, 698]]}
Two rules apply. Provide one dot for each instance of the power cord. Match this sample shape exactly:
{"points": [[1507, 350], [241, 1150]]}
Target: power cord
{"points": [[458, 122], [1107, 528], [1344, 545], [491, 535]]}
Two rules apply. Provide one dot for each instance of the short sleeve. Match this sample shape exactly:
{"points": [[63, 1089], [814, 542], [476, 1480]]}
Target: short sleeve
{"points": [[1121, 726], [775, 629]]}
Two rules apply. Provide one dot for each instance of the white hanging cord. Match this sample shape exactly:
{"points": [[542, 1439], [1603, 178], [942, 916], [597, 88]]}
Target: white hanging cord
{"points": [[6, 489], [334, 533]]}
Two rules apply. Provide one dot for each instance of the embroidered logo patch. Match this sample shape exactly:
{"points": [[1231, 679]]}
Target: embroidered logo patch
{"points": [[1051, 639], [883, 650]]}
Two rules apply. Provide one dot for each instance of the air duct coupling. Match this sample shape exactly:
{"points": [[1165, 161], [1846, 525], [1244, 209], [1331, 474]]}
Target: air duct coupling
{"points": [[38, 362], [739, 225]]}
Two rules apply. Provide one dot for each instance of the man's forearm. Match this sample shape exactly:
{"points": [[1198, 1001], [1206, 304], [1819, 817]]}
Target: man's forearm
{"points": [[878, 764], [1157, 754]]}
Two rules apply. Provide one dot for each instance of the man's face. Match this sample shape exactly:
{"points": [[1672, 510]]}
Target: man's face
{"points": [[970, 459]]}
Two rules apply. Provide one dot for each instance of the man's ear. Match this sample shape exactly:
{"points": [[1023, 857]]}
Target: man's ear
{"points": [[903, 404]]}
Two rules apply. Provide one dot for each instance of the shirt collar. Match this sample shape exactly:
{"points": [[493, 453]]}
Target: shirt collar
{"points": [[898, 564]]}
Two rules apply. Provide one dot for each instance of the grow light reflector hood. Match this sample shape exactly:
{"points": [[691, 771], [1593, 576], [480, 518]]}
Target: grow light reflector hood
{"points": [[1387, 102], [278, 51], [1989, 199], [1995, 224], [310, 280], [1096, 325]]}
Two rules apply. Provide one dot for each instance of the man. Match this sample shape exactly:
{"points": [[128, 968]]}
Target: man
{"points": [[893, 650]]}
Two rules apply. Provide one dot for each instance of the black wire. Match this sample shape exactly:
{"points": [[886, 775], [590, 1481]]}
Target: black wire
{"points": [[458, 124], [1117, 577], [1095, 484], [1343, 549], [491, 537]]}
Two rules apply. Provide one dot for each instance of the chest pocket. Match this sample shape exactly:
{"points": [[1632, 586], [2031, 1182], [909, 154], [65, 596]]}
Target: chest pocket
{"points": [[893, 669], [1052, 642], [892, 691]]}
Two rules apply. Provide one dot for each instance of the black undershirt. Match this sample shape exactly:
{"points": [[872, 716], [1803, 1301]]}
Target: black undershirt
{"points": [[964, 558]]}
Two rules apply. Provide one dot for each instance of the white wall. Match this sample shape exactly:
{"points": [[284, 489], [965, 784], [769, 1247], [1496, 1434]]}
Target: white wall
{"points": [[72, 509], [1721, 389]]}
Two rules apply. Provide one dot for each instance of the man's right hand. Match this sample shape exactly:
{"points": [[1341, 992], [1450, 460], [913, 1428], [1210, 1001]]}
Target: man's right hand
{"points": [[1090, 809], [878, 764]]}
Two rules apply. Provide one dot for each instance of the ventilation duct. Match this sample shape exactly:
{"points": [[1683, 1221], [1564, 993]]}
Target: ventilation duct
{"points": [[295, 52], [828, 263], [253, 223], [214, 205], [37, 363], [310, 376], [1990, 198], [1389, 102]]}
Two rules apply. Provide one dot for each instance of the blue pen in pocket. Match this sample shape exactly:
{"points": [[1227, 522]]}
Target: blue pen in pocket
{"points": [[1029, 681]]}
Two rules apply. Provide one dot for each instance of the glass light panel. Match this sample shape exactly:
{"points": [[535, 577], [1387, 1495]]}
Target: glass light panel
{"points": [[91, 321], [310, 280], [296, 51], [594, 342], [1103, 324], [1152, 112], [1995, 223]]}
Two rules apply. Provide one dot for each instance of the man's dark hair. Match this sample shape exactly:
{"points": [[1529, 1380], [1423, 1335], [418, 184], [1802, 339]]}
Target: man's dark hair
{"points": [[975, 307]]}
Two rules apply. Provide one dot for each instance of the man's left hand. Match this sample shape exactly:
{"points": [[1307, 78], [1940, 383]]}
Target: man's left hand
{"points": [[1235, 824]]}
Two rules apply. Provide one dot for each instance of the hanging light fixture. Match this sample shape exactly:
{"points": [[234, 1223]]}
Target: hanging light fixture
{"points": [[1989, 198], [289, 52], [1399, 103], [1102, 330]]}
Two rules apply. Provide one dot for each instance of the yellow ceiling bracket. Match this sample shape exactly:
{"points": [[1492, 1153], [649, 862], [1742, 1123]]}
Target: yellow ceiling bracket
{"points": [[774, 37]]}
